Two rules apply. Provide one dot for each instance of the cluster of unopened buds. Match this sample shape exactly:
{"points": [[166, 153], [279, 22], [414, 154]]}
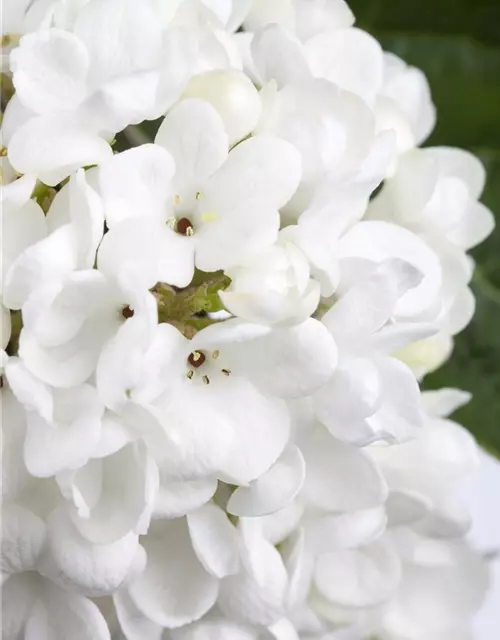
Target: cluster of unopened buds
{"points": [[213, 339]]}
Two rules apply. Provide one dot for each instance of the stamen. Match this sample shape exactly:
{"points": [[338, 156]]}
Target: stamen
{"points": [[185, 227], [206, 380], [198, 195], [127, 312], [216, 354], [171, 222], [3, 152], [190, 374], [196, 359], [226, 372]]}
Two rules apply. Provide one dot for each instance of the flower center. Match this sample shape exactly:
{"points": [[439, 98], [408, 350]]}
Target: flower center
{"points": [[196, 359]]}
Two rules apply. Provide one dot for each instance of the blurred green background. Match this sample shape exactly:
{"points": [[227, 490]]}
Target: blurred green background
{"points": [[457, 44]]}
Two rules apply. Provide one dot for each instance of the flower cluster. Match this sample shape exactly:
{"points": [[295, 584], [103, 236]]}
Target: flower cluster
{"points": [[212, 421]]}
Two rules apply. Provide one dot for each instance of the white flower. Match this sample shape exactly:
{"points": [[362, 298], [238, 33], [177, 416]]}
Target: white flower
{"points": [[31, 602], [371, 394], [435, 192], [404, 103], [211, 209], [425, 475], [78, 86], [228, 372], [212, 427], [305, 17], [442, 587], [349, 58], [273, 287]]}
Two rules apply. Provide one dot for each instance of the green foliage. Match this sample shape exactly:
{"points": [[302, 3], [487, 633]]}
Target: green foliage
{"points": [[457, 44]]}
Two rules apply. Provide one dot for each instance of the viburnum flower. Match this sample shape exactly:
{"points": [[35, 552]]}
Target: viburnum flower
{"points": [[189, 202], [226, 267]]}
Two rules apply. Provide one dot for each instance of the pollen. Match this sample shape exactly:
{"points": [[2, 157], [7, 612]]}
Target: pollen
{"points": [[196, 359]]}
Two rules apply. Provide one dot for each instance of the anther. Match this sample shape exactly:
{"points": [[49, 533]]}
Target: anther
{"points": [[184, 227], [196, 359], [177, 199], [206, 380], [198, 195], [216, 354], [171, 222], [190, 374], [226, 372], [127, 312], [3, 152]]}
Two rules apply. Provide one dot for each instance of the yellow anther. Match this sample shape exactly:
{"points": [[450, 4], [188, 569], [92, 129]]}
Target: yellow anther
{"points": [[198, 195], [3, 152], [190, 374], [206, 380], [196, 356], [226, 372], [190, 231], [215, 354], [177, 199], [171, 222]]}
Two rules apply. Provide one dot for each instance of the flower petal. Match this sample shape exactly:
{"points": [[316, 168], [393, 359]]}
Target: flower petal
{"points": [[257, 593], [50, 69], [174, 589], [23, 536], [260, 427], [73, 562], [54, 146], [214, 539], [288, 362], [361, 577], [68, 440], [376, 240], [67, 613], [272, 491], [135, 183], [262, 169], [340, 477], [53, 257], [350, 58], [193, 132], [128, 483], [176, 497], [150, 248], [278, 56]]}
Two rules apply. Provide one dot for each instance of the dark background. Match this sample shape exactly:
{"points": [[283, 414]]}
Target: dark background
{"points": [[457, 44]]}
